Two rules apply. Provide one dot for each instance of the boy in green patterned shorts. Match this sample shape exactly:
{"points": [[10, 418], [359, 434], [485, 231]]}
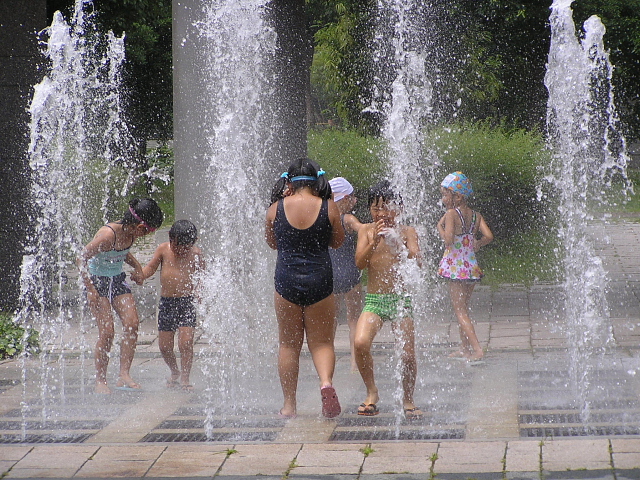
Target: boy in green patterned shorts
{"points": [[381, 246]]}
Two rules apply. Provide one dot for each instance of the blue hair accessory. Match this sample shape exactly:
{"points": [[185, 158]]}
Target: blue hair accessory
{"points": [[321, 172], [302, 177], [284, 175]]}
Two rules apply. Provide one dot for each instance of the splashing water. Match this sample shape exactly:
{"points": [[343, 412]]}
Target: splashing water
{"points": [[237, 310], [400, 58], [78, 137], [588, 153]]}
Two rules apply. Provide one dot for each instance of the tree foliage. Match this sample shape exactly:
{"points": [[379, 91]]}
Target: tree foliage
{"points": [[148, 68], [487, 59]]}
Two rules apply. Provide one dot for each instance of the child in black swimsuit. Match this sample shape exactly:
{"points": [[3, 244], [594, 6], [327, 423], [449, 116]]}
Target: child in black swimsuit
{"points": [[302, 224]]}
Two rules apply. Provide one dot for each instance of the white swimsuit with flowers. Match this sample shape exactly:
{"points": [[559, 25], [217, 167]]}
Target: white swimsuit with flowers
{"points": [[459, 260]]}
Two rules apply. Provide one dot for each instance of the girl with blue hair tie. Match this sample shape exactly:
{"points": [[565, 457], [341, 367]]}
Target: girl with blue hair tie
{"points": [[301, 224], [464, 231]]}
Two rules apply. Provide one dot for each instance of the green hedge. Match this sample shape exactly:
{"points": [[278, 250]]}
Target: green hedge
{"points": [[347, 154], [506, 168]]}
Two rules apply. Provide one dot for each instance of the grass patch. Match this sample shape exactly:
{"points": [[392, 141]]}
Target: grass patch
{"points": [[524, 259]]}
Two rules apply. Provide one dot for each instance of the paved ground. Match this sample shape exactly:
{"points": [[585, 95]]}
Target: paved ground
{"points": [[538, 407]]}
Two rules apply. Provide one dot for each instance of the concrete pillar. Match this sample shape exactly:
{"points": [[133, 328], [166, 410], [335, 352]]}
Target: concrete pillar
{"points": [[192, 123], [190, 126], [19, 57]]}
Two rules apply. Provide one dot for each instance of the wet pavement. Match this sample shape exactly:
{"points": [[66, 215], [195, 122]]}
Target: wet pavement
{"points": [[519, 415]]}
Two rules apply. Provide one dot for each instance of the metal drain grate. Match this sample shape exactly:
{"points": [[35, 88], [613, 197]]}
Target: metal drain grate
{"points": [[53, 425], [579, 431], [29, 438], [215, 437], [373, 435], [192, 423]]}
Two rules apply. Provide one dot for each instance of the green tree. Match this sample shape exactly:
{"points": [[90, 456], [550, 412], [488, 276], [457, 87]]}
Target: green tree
{"points": [[148, 66], [341, 76], [622, 21]]}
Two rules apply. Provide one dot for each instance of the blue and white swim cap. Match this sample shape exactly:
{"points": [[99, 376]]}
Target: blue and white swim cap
{"points": [[458, 183]]}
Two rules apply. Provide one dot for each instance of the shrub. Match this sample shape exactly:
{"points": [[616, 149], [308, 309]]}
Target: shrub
{"points": [[13, 338], [505, 166], [347, 154]]}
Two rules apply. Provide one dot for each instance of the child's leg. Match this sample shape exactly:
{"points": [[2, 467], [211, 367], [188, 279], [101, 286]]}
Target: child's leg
{"points": [[101, 310], [125, 307], [185, 345], [354, 302], [166, 344], [291, 336], [369, 324], [405, 334], [460, 296], [319, 319]]}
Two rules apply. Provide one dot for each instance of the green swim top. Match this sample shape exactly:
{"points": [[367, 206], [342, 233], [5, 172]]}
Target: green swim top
{"points": [[108, 264]]}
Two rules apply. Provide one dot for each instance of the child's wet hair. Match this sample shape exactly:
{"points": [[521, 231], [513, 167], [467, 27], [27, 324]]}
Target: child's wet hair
{"points": [[382, 190], [302, 167], [184, 233], [146, 209]]}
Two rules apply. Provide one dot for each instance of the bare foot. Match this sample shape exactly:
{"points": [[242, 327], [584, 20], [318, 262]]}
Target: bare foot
{"points": [[127, 383], [102, 389], [187, 388], [476, 356], [285, 413], [458, 354]]}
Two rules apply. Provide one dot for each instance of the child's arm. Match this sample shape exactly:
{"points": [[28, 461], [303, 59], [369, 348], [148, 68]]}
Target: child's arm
{"points": [[337, 231], [269, 231], [412, 245], [440, 226], [136, 276], [368, 240], [351, 223], [487, 235], [152, 266], [200, 266], [448, 229]]}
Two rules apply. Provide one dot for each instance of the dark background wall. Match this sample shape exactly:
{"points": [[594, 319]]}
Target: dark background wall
{"points": [[20, 20]]}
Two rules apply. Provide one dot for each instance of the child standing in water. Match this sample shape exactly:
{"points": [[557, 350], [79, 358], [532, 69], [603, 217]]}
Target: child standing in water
{"points": [[459, 227], [100, 264], [382, 245], [301, 224], [346, 275], [180, 262]]}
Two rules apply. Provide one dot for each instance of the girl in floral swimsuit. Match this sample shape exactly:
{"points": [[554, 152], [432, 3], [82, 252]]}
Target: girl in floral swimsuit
{"points": [[459, 227]]}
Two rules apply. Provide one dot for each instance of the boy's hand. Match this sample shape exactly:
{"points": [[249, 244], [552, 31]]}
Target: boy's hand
{"points": [[392, 238], [137, 277], [375, 234]]}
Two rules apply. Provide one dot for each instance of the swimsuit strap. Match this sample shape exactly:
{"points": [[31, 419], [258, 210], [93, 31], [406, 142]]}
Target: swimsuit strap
{"points": [[115, 236], [473, 221], [116, 239]]}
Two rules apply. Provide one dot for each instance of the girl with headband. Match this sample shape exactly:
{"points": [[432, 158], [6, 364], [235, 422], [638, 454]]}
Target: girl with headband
{"points": [[101, 263], [301, 224], [460, 228]]}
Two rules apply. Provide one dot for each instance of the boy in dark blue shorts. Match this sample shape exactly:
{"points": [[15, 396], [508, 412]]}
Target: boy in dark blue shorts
{"points": [[180, 262]]}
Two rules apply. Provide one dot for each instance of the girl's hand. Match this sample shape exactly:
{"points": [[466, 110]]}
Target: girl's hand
{"points": [[137, 276]]}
